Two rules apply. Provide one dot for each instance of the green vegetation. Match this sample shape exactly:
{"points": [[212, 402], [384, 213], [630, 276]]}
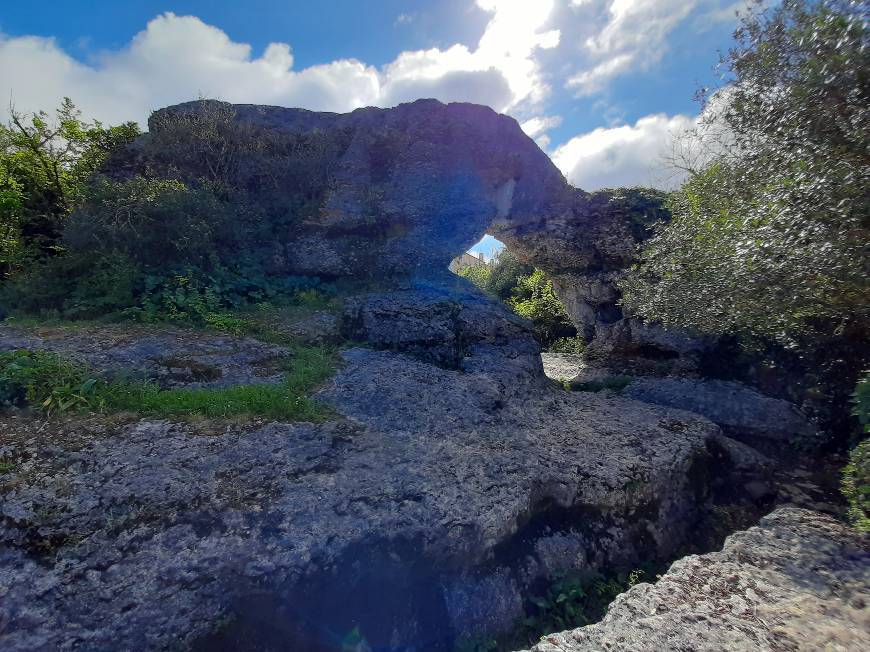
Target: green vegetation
{"points": [[45, 163], [571, 601], [568, 601], [529, 293], [49, 383], [177, 242], [574, 344], [856, 474], [770, 235]]}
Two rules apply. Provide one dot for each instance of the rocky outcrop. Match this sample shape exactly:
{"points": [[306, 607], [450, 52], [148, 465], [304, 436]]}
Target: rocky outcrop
{"points": [[586, 247], [396, 192], [739, 410], [422, 514], [798, 581], [450, 324], [379, 195], [169, 356]]}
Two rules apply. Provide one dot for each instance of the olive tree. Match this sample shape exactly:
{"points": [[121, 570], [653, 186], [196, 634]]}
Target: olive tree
{"points": [[770, 235]]}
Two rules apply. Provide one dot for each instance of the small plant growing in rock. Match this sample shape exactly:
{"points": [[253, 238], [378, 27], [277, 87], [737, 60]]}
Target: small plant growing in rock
{"points": [[571, 601]]}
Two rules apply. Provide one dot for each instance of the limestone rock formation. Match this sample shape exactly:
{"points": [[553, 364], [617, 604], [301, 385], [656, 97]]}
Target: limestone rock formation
{"points": [[741, 411], [798, 581], [385, 194], [436, 482], [397, 192], [166, 355], [451, 324], [586, 247]]}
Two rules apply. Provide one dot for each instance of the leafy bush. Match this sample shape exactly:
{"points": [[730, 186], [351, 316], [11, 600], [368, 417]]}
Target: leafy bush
{"points": [[45, 164], [856, 486], [571, 601], [535, 300], [154, 223], [574, 344], [529, 293], [770, 235]]}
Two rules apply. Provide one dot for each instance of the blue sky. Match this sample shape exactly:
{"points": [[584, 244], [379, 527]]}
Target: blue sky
{"points": [[602, 85]]}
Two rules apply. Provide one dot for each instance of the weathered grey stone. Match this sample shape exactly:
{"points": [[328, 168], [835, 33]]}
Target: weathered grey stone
{"points": [[452, 324], [586, 246], [170, 356], [407, 188], [148, 535], [737, 408], [798, 581]]}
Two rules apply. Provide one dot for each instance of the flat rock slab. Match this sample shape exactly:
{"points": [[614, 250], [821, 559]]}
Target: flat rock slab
{"points": [[150, 534], [734, 406], [563, 366], [173, 357], [798, 581]]}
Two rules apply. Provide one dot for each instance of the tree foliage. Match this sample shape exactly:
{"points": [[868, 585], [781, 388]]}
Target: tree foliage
{"points": [[45, 163], [771, 235], [529, 293]]}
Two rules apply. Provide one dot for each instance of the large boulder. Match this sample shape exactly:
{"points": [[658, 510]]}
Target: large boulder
{"points": [[743, 413], [423, 514], [798, 581], [397, 192], [381, 195]]}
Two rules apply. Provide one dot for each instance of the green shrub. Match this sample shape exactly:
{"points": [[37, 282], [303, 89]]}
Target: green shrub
{"points": [[157, 224], [480, 276], [856, 486], [535, 300], [571, 601], [769, 236], [45, 164]]}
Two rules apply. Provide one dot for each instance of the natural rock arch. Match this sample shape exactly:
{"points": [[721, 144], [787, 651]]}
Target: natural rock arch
{"points": [[404, 190]]}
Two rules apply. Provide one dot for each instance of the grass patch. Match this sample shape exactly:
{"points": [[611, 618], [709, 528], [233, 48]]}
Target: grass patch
{"points": [[52, 384]]}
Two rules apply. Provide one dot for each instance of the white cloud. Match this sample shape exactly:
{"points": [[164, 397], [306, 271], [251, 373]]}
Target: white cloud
{"points": [[623, 156], [175, 58], [538, 126], [633, 35]]}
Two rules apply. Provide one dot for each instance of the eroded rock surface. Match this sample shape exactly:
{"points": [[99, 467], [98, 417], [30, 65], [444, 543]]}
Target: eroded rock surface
{"points": [[798, 581], [398, 192], [170, 356], [740, 410], [153, 535], [452, 324]]}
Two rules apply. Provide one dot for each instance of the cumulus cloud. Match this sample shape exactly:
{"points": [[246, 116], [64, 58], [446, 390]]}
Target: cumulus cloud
{"points": [[538, 126], [629, 155], [631, 35], [175, 58]]}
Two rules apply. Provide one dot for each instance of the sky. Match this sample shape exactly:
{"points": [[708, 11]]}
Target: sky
{"points": [[603, 86]]}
